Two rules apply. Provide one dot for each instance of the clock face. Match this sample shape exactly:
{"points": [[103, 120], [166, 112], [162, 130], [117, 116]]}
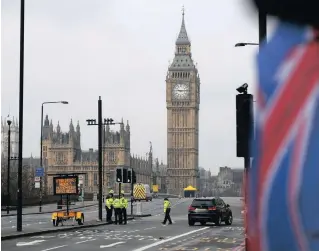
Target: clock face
{"points": [[181, 91]]}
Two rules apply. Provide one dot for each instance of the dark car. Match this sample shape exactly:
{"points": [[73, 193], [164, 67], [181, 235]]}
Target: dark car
{"points": [[213, 210]]}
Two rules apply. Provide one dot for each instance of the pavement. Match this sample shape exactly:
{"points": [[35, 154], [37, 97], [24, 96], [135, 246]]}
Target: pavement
{"points": [[41, 222], [46, 208], [144, 233]]}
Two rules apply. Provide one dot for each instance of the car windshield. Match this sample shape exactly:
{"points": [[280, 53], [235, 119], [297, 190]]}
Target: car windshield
{"points": [[208, 203]]}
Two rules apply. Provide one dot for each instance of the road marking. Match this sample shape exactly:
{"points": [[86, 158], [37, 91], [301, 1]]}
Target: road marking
{"points": [[43, 237], [149, 228], [85, 241], [19, 244], [170, 239], [54, 248], [111, 245]]}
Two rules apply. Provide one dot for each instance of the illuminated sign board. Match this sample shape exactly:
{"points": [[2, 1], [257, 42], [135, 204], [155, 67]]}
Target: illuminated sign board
{"points": [[65, 185]]}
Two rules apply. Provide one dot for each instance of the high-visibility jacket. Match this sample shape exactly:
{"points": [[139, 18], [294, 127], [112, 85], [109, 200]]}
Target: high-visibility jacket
{"points": [[124, 202], [167, 204], [117, 203], [109, 202]]}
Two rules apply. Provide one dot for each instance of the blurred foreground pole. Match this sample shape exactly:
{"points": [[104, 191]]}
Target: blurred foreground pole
{"points": [[262, 23], [262, 28]]}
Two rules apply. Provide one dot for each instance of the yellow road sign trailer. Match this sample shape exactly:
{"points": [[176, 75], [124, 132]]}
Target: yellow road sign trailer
{"points": [[62, 216], [66, 184]]}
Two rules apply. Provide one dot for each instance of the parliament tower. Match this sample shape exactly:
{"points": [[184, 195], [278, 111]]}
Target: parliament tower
{"points": [[182, 102]]}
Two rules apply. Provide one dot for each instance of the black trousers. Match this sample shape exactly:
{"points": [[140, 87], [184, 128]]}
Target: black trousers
{"points": [[118, 215], [109, 212], [124, 215], [167, 216]]}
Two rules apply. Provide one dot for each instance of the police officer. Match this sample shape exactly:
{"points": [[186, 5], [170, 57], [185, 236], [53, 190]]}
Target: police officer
{"points": [[124, 204], [167, 210], [118, 211], [109, 206]]}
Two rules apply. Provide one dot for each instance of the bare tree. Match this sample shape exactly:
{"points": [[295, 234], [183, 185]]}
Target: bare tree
{"points": [[27, 181]]}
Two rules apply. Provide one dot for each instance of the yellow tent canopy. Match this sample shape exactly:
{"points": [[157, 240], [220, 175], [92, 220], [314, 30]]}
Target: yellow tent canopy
{"points": [[190, 188]]}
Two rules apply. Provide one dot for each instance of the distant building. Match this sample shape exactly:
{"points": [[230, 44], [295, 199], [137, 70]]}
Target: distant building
{"points": [[62, 153], [229, 181], [14, 138], [160, 177]]}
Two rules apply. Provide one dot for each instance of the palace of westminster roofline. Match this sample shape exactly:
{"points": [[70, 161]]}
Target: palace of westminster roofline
{"points": [[72, 139]]}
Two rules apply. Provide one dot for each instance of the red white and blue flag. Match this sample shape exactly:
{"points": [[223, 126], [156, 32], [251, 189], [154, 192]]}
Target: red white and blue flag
{"points": [[283, 187]]}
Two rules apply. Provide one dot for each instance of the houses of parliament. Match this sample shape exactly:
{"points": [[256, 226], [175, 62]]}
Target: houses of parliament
{"points": [[62, 153]]}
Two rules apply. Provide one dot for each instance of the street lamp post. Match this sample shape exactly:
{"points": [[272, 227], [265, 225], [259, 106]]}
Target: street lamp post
{"points": [[21, 87], [8, 174], [41, 144], [92, 122]]}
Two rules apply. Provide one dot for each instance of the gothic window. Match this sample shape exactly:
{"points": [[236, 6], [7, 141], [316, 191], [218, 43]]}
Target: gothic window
{"points": [[111, 157], [60, 158], [95, 179]]}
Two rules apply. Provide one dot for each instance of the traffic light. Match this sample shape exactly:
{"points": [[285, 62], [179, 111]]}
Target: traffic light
{"points": [[125, 176], [129, 175], [244, 122], [119, 176], [133, 177]]}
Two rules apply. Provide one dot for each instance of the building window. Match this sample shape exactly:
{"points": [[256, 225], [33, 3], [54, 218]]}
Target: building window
{"points": [[111, 157], [60, 158], [95, 179], [86, 180]]}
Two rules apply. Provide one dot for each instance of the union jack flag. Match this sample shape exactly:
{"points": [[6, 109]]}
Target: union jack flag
{"points": [[283, 187]]}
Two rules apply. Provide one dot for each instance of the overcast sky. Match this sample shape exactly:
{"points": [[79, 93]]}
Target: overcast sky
{"points": [[78, 50]]}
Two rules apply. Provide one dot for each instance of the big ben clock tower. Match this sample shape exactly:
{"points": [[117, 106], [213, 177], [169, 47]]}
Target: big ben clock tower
{"points": [[182, 102]]}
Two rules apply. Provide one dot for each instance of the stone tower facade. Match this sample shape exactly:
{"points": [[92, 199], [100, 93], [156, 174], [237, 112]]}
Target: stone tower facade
{"points": [[14, 138], [182, 102]]}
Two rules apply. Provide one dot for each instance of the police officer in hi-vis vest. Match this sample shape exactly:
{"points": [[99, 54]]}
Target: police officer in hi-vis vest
{"points": [[118, 211], [109, 206], [167, 211], [124, 204]]}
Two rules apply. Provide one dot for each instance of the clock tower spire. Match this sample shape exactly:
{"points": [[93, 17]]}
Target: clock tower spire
{"points": [[182, 102]]}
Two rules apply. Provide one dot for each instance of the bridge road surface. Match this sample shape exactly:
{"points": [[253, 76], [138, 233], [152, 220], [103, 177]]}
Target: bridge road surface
{"points": [[143, 234], [38, 222]]}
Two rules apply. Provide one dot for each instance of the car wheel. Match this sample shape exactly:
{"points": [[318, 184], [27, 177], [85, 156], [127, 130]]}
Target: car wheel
{"points": [[218, 221], [229, 220], [203, 223], [191, 223]]}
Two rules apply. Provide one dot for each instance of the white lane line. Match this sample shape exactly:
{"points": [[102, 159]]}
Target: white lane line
{"points": [[149, 228], [111, 245], [170, 239], [54, 248], [19, 244], [42, 237], [85, 241]]}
